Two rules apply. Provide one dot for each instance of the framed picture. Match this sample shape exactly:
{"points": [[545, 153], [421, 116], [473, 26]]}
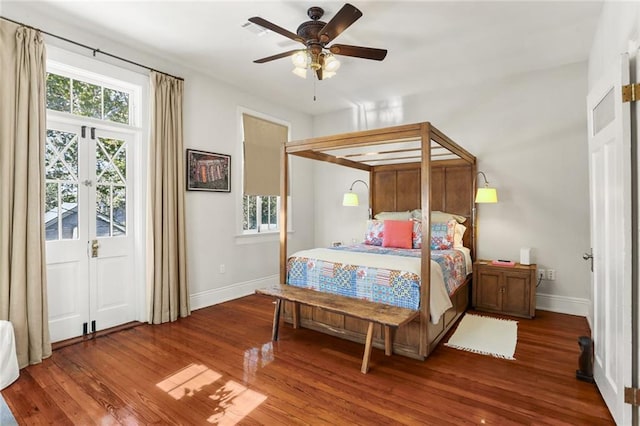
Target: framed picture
{"points": [[208, 171]]}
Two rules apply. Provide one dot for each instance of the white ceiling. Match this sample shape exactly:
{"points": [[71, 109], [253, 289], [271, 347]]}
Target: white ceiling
{"points": [[432, 45]]}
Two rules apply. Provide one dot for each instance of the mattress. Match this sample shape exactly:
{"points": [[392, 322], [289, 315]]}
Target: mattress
{"points": [[380, 274]]}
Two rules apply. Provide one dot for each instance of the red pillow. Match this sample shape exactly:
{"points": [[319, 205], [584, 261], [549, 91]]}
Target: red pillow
{"points": [[397, 233]]}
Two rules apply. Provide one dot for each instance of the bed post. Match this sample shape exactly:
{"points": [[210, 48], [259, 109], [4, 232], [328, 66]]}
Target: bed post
{"points": [[284, 190], [474, 212], [425, 287]]}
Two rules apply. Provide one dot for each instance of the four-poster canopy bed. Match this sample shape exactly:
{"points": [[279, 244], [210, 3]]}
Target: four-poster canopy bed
{"points": [[411, 167]]}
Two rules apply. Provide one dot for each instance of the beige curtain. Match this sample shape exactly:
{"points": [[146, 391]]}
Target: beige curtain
{"points": [[166, 251], [23, 288]]}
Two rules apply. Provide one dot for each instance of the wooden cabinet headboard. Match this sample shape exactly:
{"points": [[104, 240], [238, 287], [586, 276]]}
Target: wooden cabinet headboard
{"points": [[397, 188]]}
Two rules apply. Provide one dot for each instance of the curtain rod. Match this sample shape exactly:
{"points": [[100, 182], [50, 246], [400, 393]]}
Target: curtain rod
{"points": [[94, 50]]}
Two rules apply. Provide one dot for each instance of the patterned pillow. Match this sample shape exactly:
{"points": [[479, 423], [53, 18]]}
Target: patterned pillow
{"points": [[375, 233], [442, 235], [416, 235]]}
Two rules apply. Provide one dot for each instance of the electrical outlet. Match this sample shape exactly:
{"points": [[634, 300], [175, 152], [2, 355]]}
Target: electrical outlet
{"points": [[223, 269], [542, 274], [551, 274]]}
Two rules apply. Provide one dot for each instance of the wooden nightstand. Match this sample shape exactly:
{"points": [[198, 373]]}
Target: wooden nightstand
{"points": [[507, 290]]}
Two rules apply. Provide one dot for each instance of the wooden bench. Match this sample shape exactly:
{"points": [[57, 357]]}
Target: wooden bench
{"points": [[386, 315]]}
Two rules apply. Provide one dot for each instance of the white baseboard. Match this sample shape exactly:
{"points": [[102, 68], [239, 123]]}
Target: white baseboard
{"points": [[589, 321], [563, 304], [545, 302], [230, 292]]}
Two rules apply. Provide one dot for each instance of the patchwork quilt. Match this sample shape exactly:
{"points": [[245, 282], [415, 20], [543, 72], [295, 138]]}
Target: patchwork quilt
{"points": [[380, 274]]}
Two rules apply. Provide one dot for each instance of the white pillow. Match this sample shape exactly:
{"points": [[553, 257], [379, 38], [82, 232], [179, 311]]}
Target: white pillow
{"points": [[393, 215], [437, 216], [458, 233]]}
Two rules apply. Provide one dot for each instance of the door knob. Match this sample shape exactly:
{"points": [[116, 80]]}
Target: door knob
{"points": [[589, 256], [94, 248]]}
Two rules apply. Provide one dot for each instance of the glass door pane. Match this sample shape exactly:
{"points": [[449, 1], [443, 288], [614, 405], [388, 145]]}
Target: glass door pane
{"points": [[111, 187], [61, 180]]}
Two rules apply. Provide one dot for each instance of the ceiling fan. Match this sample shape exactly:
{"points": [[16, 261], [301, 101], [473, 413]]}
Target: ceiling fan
{"points": [[315, 35]]}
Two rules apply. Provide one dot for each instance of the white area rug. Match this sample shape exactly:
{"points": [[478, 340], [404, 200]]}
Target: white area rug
{"points": [[485, 335]]}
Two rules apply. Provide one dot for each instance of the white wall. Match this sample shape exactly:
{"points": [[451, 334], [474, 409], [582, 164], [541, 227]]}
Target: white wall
{"points": [[210, 123], [335, 222], [618, 31], [528, 133]]}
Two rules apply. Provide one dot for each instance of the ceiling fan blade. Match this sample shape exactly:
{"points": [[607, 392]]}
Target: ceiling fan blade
{"points": [[319, 73], [358, 52], [340, 22], [276, 29], [278, 56]]}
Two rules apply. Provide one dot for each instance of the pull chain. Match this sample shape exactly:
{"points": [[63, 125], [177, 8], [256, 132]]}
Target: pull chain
{"points": [[314, 90]]}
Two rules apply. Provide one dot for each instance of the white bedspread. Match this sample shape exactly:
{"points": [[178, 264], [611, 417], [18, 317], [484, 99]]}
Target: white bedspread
{"points": [[439, 301], [467, 258]]}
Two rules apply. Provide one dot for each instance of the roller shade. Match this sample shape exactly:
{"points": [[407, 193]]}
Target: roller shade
{"points": [[262, 142]]}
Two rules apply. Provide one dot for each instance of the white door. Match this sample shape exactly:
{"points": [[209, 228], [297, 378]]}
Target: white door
{"points": [[610, 207], [88, 229]]}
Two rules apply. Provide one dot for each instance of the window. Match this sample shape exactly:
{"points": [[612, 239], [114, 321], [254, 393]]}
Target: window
{"points": [[68, 166], [260, 213], [262, 140], [66, 94]]}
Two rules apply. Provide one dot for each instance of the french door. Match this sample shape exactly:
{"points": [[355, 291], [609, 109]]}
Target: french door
{"points": [[88, 228]]}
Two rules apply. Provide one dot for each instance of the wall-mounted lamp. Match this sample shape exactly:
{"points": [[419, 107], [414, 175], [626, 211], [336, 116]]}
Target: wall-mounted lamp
{"points": [[482, 196], [350, 199], [486, 194]]}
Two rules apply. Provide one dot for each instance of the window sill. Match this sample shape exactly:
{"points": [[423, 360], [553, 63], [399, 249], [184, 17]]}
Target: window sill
{"points": [[259, 237]]}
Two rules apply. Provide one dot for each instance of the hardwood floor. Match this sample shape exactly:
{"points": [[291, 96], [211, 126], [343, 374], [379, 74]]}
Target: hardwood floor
{"points": [[219, 367]]}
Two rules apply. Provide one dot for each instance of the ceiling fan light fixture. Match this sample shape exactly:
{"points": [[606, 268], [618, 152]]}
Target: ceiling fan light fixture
{"points": [[300, 72], [331, 64], [301, 59], [315, 35]]}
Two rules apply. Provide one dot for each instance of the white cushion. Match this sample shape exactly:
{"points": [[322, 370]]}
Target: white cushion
{"points": [[9, 370], [438, 216], [406, 215]]}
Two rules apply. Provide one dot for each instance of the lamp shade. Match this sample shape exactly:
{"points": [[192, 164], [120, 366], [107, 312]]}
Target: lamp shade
{"points": [[300, 59], [486, 195], [300, 72], [331, 64], [350, 199]]}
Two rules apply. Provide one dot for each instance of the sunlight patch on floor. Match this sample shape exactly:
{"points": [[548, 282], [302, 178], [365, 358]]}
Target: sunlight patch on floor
{"points": [[233, 401], [188, 381]]}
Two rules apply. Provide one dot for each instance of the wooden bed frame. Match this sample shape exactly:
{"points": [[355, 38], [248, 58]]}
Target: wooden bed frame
{"points": [[399, 180]]}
